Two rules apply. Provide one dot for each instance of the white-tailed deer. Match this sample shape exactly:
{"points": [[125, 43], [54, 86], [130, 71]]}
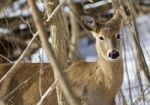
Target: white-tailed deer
{"points": [[95, 83], [98, 83]]}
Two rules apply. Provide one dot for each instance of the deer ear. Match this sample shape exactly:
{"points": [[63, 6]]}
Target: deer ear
{"points": [[117, 19], [89, 22], [120, 15]]}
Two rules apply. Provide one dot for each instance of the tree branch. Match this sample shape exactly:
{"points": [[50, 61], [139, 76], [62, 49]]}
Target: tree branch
{"points": [[48, 92]]}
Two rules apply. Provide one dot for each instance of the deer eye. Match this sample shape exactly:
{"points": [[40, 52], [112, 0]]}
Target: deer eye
{"points": [[118, 36], [101, 38]]}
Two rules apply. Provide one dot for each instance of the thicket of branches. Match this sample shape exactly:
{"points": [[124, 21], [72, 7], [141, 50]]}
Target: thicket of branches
{"points": [[23, 32]]}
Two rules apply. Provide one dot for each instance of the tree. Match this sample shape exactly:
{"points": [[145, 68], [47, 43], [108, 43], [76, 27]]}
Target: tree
{"points": [[58, 36]]}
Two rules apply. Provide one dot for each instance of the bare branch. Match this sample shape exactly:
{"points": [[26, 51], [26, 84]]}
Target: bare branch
{"points": [[48, 92], [5, 58]]}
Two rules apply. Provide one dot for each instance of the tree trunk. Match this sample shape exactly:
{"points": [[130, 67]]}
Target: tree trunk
{"points": [[74, 33], [59, 45]]}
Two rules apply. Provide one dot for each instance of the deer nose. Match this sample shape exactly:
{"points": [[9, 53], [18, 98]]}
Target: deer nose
{"points": [[114, 54]]}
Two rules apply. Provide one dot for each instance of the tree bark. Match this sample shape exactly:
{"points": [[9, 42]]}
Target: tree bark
{"points": [[59, 44], [74, 33]]}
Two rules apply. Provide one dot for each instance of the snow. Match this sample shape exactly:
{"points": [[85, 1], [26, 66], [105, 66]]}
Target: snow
{"points": [[22, 26], [39, 56], [4, 30], [94, 5], [14, 10]]}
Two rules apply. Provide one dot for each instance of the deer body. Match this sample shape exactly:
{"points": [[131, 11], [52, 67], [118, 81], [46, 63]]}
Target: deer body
{"points": [[100, 83], [94, 83]]}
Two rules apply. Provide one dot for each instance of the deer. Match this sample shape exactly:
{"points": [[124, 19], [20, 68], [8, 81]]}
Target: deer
{"points": [[94, 83], [101, 80]]}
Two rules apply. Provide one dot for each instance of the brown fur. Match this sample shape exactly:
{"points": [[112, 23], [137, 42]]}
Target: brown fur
{"points": [[28, 93], [101, 81]]}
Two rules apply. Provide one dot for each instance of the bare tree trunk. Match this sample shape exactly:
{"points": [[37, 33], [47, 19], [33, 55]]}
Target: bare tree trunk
{"points": [[74, 34], [74, 39], [59, 45]]}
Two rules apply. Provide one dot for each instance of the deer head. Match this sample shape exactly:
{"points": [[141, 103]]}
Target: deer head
{"points": [[107, 35]]}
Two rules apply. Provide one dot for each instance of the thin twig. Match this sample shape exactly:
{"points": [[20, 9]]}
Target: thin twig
{"points": [[141, 96], [28, 23], [5, 58], [48, 92]]}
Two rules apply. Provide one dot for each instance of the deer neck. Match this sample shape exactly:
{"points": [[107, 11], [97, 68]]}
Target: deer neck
{"points": [[107, 72]]}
